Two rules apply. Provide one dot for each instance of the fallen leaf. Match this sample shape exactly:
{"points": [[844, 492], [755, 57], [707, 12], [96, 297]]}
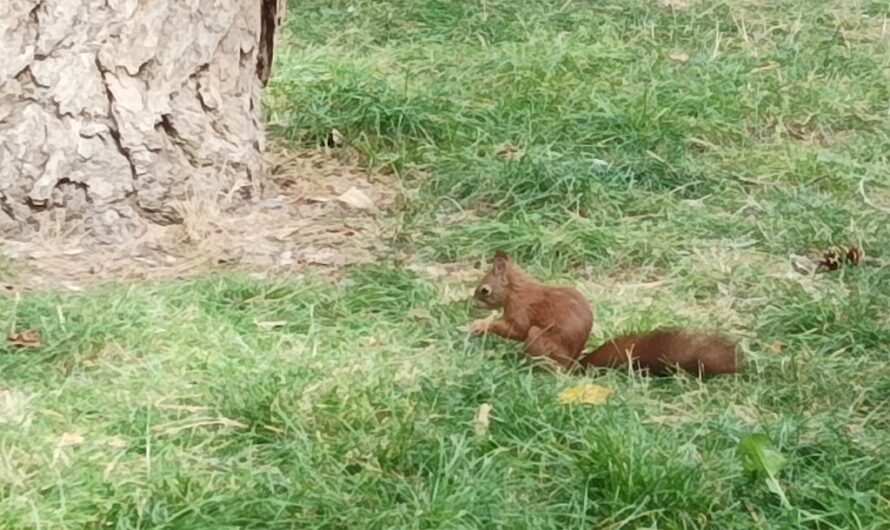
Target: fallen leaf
{"points": [[29, 338], [357, 199], [70, 438], [272, 324], [600, 164], [803, 264], [509, 151], [587, 393], [678, 55], [335, 138], [482, 419], [777, 347], [759, 457]]}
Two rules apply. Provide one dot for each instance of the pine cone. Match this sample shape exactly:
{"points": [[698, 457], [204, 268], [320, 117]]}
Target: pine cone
{"points": [[832, 258]]}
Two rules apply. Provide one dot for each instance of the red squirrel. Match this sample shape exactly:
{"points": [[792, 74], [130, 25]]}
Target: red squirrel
{"points": [[554, 322]]}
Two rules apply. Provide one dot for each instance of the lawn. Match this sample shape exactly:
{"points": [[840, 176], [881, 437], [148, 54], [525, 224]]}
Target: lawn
{"points": [[667, 157]]}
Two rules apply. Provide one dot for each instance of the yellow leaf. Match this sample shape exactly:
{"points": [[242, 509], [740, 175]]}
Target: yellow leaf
{"points": [[587, 393], [777, 347], [678, 55], [272, 324], [357, 199], [335, 138], [482, 419], [70, 438]]}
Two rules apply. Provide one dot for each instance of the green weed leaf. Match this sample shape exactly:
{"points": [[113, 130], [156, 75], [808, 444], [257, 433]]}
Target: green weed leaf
{"points": [[758, 457]]}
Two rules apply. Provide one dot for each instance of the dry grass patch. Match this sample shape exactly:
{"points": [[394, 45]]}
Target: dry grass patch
{"points": [[322, 212]]}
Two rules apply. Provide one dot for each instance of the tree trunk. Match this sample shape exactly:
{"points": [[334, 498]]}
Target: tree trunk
{"points": [[112, 110]]}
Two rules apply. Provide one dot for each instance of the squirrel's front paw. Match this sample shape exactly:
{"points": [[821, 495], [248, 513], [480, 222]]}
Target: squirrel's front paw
{"points": [[479, 327]]}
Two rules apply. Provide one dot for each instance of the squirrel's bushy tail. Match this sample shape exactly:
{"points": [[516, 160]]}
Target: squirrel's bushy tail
{"points": [[662, 350]]}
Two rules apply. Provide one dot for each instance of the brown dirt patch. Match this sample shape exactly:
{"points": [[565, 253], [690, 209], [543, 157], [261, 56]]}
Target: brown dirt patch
{"points": [[322, 211]]}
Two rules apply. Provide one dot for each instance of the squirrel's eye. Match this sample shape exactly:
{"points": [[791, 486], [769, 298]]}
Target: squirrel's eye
{"points": [[485, 290]]}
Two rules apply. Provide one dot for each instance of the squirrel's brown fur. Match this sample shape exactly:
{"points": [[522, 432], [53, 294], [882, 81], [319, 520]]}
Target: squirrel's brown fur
{"points": [[662, 350], [551, 321], [554, 322]]}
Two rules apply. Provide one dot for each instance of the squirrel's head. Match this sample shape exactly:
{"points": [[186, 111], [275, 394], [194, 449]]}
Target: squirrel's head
{"points": [[493, 289]]}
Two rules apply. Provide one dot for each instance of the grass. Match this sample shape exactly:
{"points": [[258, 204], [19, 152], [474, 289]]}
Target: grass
{"points": [[666, 161]]}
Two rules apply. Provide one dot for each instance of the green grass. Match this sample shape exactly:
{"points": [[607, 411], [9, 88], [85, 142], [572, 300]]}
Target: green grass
{"points": [[167, 406]]}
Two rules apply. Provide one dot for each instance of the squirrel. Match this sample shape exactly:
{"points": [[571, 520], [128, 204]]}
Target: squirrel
{"points": [[554, 322]]}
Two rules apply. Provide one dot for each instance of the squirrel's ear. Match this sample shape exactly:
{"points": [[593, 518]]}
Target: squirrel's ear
{"points": [[500, 261]]}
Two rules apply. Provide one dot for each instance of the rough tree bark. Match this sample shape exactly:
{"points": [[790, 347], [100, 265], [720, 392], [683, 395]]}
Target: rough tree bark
{"points": [[111, 109]]}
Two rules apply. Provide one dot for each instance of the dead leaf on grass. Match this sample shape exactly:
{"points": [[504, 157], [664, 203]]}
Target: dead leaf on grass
{"points": [[678, 55], [510, 151], [483, 419], [29, 338], [357, 199], [70, 438], [587, 393], [777, 347], [272, 324], [803, 264], [335, 138]]}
